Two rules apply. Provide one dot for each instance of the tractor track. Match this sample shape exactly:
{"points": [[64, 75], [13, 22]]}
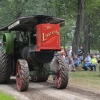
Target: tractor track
{"points": [[78, 90], [47, 91]]}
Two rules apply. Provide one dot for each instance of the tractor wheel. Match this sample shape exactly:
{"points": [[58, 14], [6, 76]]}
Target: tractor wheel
{"points": [[42, 77], [61, 79], [5, 67], [22, 75], [46, 68]]}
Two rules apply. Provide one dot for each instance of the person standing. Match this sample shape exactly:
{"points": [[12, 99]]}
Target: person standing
{"points": [[80, 54], [69, 51], [71, 62], [62, 53]]}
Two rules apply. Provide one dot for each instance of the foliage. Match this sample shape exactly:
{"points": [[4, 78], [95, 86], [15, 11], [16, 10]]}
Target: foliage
{"points": [[67, 31], [92, 10], [67, 9]]}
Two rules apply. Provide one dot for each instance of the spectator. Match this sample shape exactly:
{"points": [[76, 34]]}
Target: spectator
{"points": [[70, 62], [76, 61], [98, 60], [69, 52], [80, 54], [67, 60], [93, 62], [87, 62], [62, 53], [98, 56]]}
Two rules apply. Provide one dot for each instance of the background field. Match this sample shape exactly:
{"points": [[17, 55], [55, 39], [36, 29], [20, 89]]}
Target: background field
{"points": [[85, 79]]}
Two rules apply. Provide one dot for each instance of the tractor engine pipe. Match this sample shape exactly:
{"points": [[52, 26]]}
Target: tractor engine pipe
{"points": [[30, 54]]}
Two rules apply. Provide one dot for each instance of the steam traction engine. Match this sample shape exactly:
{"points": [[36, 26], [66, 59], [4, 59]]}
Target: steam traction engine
{"points": [[29, 48]]}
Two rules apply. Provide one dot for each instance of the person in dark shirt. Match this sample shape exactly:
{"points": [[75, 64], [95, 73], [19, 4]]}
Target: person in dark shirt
{"points": [[80, 54]]}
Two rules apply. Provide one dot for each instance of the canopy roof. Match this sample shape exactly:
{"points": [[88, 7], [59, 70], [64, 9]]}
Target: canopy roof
{"points": [[26, 23]]}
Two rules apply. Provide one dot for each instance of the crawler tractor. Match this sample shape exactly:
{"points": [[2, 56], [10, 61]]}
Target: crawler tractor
{"points": [[29, 50]]}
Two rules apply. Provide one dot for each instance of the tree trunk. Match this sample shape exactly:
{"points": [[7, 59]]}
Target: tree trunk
{"points": [[78, 29], [86, 36]]}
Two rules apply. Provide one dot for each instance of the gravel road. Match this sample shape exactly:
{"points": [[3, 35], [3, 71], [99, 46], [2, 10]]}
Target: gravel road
{"points": [[47, 91]]}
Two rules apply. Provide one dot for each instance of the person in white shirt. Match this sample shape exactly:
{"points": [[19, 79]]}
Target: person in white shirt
{"points": [[87, 62], [70, 62], [69, 52]]}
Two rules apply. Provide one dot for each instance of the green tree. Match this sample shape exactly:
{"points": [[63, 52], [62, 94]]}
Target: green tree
{"points": [[78, 29]]}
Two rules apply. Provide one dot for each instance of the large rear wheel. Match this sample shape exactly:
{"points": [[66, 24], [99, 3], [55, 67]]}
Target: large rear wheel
{"points": [[61, 77], [5, 66], [46, 68], [22, 75]]}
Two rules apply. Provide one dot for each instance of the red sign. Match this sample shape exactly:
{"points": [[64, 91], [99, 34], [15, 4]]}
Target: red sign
{"points": [[48, 37]]}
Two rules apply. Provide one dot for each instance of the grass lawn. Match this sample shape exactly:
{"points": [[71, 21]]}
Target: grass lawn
{"points": [[88, 79], [4, 96]]}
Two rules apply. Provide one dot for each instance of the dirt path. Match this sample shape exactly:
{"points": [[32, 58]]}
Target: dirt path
{"points": [[47, 91]]}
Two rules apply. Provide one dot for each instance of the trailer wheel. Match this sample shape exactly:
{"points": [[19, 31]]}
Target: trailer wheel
{"points": [[22, 75], [5, 67], [42, 77], [61, 79]]}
